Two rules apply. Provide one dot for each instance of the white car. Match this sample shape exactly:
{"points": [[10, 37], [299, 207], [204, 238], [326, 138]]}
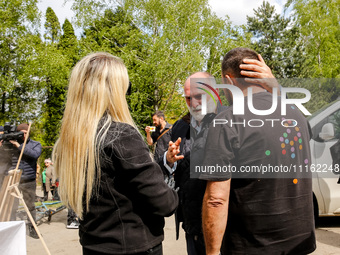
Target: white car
{"points": [[325, 125]]}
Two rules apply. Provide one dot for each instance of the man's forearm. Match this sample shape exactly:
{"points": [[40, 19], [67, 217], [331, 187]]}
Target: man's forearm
{"points": [[215, 214], [149, 139]]}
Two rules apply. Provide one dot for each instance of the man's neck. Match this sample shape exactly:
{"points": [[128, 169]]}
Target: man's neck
{"points": [[255, 89]]}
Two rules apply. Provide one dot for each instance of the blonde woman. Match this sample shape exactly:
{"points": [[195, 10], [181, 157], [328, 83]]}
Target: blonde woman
{"points": [[105, 171]]}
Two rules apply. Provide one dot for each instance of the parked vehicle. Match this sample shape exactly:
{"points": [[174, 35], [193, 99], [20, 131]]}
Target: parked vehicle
{"points": [[325, 125]]}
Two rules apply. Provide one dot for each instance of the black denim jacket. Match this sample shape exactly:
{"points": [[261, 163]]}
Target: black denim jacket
{"points": [[127, 213]]}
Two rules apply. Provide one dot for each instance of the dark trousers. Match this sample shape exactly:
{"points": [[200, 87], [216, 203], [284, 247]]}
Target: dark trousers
{"points": [[28, 192], [195, 244], [56, 194], [45, 192], [157, 250]]}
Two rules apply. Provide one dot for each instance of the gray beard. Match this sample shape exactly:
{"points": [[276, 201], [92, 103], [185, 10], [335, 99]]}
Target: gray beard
{"points": [[198, 116]]}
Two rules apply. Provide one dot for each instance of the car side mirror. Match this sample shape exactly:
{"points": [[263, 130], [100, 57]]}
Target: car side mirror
{"points": [[327, 132]]}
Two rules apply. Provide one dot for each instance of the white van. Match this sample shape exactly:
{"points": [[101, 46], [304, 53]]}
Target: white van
{"points": [[325, 125]]}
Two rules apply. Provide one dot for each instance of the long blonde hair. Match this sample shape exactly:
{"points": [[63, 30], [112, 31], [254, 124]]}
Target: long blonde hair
{"points": [[97, 88]]}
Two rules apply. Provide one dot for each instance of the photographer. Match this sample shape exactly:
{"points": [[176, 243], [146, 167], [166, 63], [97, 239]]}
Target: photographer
{"points": [[28, 165]]}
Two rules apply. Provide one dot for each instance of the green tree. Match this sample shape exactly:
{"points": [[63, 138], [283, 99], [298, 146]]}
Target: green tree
{"points": [[68, 39], [319, 25], [278, 40], [18, 37], [53, 75], [231, 37], [318, 22], [69, 43], [167, 41], [53, 78], [52, 26]]}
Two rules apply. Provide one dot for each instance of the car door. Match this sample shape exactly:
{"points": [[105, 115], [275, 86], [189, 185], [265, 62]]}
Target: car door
{"points": [[326, 182]]}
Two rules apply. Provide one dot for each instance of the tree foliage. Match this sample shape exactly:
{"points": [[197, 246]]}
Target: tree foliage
{"points": [[320, 30], [161, 43], [17, 41], [53, 75], [278, 40], [52, 26]]}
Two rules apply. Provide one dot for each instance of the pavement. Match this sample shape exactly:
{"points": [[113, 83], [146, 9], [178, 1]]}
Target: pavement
{"points": [[63, 241]]}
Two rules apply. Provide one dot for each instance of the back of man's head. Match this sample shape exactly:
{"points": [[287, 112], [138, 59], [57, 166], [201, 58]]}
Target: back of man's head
{"points": [[234, 58]]}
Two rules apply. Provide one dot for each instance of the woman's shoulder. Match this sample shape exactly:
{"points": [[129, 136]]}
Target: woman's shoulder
{"points": [[124, 129], [119, 133]]}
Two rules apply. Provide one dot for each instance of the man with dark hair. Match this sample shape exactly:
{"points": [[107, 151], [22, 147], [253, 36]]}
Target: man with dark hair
{"points": [[161, 136], [254, 213], [234, 58], [187, 145], [28, 165]]}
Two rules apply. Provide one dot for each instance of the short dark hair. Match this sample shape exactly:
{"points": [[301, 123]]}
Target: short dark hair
{"points": [[234, 58], [159, 114]]}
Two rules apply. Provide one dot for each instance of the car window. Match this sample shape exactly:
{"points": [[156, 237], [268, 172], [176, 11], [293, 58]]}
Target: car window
{"points": [[334, 118], [321, 110]]}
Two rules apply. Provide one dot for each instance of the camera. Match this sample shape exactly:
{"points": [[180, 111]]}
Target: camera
{"points": [[10, 133]]}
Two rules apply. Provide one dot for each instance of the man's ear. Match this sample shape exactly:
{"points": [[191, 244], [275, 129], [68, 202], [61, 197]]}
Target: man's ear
{"points": [[227, 79]]}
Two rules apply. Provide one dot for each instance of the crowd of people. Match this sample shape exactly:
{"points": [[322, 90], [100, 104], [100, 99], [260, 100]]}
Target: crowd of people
{"points": [[121, 193]]}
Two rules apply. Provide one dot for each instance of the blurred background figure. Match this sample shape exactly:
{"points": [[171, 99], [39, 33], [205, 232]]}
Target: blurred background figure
{"points": [[48, 179], [161, 136]]}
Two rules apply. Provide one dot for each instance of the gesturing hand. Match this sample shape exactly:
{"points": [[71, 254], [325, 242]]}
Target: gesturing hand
{"points": [[173, 150]]}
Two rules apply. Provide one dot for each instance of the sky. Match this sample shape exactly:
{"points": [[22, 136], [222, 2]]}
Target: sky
{"points": [[237, 10]]}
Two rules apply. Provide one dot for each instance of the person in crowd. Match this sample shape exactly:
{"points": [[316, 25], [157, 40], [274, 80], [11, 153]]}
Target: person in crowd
{"points": [[28, 165], [188, 140], [48, 178], [251, 213], [161, 136], [106, 174]]}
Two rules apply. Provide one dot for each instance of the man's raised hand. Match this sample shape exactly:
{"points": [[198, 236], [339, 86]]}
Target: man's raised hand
{"points": [[259, 73], [173, 150]]}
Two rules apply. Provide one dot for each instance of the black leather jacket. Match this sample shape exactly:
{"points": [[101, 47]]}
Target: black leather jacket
{"points": [[127, 214]]}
